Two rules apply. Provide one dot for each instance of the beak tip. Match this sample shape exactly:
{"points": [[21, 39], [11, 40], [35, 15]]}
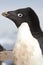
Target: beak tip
{"points": [[4, 13]]}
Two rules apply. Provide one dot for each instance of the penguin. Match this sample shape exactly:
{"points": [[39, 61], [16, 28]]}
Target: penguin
{"points": [[28, 15], [25, 14], [27, 50], [6, 62], [1, 49]]}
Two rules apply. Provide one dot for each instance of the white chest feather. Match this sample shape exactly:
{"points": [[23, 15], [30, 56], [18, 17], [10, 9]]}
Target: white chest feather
{"points": [[27, 50]]}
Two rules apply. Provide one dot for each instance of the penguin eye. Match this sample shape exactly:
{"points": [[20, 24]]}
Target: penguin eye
{"points": [[20, 15]]}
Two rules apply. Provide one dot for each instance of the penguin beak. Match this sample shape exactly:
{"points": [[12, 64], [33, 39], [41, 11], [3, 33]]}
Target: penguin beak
{"points": [[5, 14]]}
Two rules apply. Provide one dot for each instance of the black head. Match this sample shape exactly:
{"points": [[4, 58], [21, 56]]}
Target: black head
{"points": [[24, 15]]}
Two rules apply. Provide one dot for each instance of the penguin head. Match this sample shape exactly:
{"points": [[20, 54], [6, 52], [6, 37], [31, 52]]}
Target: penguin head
{"points": [[25, 14]]}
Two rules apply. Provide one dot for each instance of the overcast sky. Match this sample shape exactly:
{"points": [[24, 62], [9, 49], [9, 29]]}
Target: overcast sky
{"points": [[6, 5]]}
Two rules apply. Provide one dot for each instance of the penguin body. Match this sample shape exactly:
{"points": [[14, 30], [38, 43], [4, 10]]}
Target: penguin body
{"points": [[27, 50]]}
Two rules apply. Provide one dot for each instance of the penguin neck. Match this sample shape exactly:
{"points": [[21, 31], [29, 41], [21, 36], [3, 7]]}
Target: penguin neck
{"points": [[24, 32], [35, 27]]}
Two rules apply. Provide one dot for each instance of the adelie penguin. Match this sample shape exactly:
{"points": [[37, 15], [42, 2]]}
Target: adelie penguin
{"points": [[28, 15], [1, 49], [27, 50]]}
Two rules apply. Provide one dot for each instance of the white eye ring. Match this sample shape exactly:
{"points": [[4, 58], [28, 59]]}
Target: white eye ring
{"points": [[20, 14]]}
